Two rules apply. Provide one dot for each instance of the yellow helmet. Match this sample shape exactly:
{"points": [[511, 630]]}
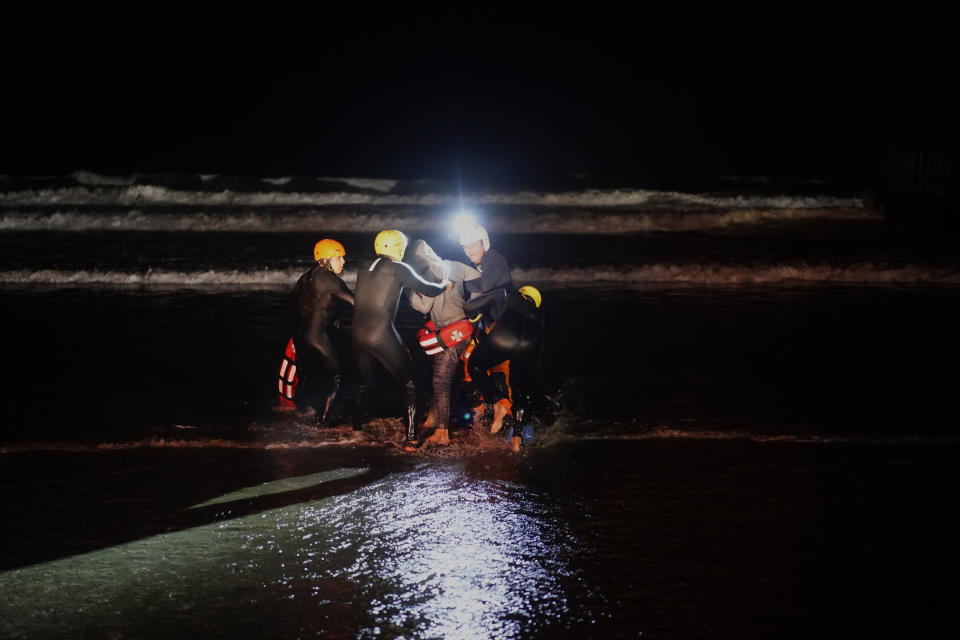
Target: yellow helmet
{"points": [[391, 243], [328, 248], [530, 293]]}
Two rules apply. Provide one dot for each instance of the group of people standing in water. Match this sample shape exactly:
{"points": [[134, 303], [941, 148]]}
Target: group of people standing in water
{"points": [[477, 323]]}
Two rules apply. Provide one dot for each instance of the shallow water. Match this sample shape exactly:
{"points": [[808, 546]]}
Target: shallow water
{"points": [[599, 539], [107, 365], [748, 432]]}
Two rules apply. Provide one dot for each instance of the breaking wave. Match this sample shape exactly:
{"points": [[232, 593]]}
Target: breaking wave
{"points": [[94, 190], [668, 275], [417, 220]]}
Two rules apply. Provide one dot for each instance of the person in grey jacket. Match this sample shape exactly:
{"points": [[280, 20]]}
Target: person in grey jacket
{"points": [[444, 310]]}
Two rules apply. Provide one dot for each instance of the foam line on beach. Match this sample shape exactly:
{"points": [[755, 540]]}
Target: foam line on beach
{"points": [[124, 191], [670, 275], [586, 220]]}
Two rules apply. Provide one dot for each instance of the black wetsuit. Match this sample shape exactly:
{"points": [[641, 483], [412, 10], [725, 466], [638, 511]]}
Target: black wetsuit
{"points": [[375, 338], [494, 274], [316, 294], [517, 337]]}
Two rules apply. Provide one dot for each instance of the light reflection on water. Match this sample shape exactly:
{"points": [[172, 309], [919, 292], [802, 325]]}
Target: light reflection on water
{"points": [[428, 553], [458, 558]]}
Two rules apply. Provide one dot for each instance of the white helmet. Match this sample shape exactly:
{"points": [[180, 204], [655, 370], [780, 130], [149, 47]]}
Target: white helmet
{"points": [[476, 233]]}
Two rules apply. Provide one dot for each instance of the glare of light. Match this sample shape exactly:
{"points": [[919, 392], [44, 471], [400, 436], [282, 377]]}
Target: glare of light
{"points": [[461, 221]]}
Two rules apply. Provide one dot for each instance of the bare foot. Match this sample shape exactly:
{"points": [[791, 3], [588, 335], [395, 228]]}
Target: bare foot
{"points": [[515, 444], [499, 413], [439, 436]]}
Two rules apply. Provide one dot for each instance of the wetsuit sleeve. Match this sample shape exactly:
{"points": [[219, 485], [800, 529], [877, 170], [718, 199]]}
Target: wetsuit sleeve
{"points": [[496, 273], [411, 280], [344, 293], [479, 303]]}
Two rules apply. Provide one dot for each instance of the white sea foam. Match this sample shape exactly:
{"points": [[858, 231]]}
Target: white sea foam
{"points": [[383, 185], [159, 278], [278, 181], [100, 191], [662, 275], [95, 179], [347, 218], [720, 274]]}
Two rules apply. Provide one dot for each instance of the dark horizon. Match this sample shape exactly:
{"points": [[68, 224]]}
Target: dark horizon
{"points": [[654, 102]]}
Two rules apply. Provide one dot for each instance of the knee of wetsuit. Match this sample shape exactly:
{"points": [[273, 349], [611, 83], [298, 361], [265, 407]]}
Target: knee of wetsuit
{"points": [[472, 396], [474, 369]]}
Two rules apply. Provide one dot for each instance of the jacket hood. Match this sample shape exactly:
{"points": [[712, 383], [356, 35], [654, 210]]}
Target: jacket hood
{"points": [[425, 261]]}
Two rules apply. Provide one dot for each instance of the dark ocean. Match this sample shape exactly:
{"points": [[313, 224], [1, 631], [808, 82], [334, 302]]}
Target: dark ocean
{"points": [[746, 403]]}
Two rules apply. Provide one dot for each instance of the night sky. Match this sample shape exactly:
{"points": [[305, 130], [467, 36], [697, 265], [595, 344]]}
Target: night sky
{"points": [[641, 100]]}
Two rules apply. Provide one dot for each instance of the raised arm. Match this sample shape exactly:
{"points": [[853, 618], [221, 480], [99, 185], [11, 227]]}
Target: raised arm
{"points": [[411, 280]]}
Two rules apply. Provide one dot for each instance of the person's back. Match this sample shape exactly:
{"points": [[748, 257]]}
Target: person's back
{"points": [[379, 285], [317, 292], [375, 339], [377, 296], [519, 329], [514, 344]]}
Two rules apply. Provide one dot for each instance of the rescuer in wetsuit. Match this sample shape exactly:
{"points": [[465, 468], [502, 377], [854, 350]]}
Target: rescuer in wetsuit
{"points": [[516, 337], [494, 274], [316, 294], [375, 338]]}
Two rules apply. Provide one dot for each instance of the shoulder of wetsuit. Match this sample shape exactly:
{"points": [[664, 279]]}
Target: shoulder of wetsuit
{"points": [[496, 269], [295, 291], [319, 277], [520, 304], [482, 301], [496, 258]]}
